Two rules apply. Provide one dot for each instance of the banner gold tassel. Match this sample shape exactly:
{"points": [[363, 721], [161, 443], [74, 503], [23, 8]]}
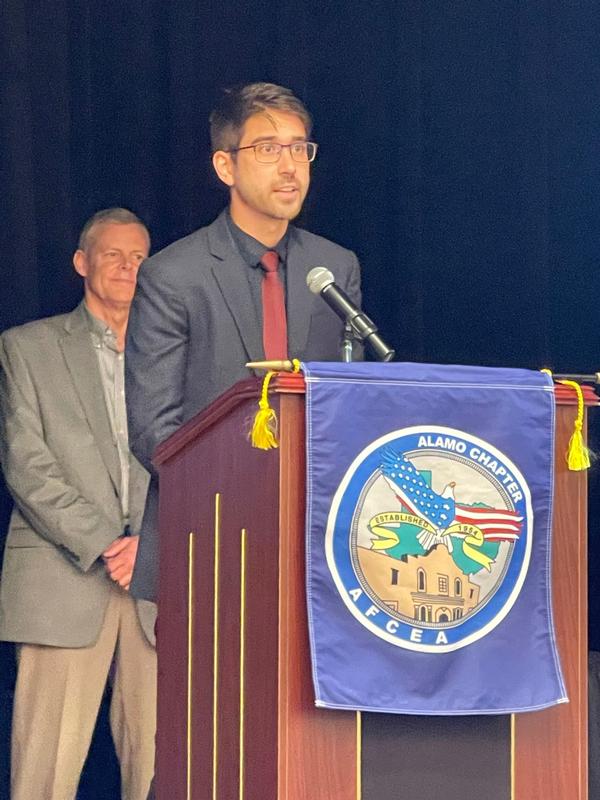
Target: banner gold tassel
{"points": [[578, 454], [264, 428]]}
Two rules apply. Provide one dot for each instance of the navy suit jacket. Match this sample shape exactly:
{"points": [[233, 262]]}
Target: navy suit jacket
{"points": [[192, 327]]}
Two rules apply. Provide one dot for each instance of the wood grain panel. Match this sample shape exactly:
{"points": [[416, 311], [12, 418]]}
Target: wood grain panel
{"points": [[218, 459]]}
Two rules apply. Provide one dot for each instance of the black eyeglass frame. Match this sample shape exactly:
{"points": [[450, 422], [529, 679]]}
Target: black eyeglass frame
{"points": [[280, 151]]}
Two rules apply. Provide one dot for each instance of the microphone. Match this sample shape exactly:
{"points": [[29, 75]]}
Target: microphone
{"points": [[321, 281]]}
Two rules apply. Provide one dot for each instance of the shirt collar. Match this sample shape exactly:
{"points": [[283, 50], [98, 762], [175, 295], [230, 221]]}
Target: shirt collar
{"points": [[102, 334], [250, 248]]}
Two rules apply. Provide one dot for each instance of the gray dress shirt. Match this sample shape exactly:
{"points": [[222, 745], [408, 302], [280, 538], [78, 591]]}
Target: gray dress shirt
{"points": [[111, 363]]}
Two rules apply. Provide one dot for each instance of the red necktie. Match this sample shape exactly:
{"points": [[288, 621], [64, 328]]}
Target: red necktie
{"points": [[273, 302]]}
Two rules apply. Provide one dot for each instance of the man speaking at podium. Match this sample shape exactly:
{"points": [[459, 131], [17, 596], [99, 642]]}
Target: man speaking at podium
{"points": [[234, 291]]}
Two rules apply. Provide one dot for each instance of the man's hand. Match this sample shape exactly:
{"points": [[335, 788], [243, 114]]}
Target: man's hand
{"points": [[119, 559]]}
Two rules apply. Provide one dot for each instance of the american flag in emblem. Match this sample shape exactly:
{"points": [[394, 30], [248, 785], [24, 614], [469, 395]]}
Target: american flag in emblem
{"points": [[441, 510]]}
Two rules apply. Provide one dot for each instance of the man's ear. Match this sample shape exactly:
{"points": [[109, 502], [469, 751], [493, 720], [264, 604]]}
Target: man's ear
{"points": [[80, 263], [223, 164]]}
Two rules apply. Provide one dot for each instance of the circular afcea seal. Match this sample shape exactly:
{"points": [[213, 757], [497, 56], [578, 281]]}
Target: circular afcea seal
{"points": [[429, 538]]}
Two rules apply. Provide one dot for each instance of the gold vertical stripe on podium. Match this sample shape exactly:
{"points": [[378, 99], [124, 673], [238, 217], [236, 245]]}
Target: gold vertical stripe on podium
{"points": [[216, 645], [242, 654], [190, 641], [358, 755]]}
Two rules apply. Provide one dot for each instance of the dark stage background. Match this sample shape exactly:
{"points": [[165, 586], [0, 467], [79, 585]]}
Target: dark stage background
{"points": [[460, 158]]}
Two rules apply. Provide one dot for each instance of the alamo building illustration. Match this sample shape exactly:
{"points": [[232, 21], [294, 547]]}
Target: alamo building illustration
{"points": [[428, 589]]}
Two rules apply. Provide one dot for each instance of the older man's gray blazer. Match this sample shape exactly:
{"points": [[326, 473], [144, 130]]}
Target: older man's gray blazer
{"points": [[192, 327], [62, 468]]}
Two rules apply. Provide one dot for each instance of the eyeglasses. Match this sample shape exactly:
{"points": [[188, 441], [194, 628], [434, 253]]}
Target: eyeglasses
{"points": [[270, 152]]}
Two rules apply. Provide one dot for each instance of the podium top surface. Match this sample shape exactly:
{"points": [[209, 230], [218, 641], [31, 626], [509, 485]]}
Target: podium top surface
{"points": [[288, 383]]}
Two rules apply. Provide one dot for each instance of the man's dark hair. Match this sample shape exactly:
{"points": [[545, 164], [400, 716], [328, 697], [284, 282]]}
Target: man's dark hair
{"points": [[242, 102], [119, 216]]}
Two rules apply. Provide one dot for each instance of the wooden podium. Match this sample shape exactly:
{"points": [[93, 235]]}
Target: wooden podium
{"points": [[236, 718]]}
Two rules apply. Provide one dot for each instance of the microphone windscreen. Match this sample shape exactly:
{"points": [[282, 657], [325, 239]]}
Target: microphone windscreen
{"points": [[318, 278]]}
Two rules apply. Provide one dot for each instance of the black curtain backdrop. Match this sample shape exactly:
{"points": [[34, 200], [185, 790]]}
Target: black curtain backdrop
{"points": [[460, 153]]}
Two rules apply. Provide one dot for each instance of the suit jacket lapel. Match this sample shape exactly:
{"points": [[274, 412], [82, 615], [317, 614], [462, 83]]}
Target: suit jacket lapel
{"points": [[299, 299], [227, 270], [138, 488], [82, 364]]}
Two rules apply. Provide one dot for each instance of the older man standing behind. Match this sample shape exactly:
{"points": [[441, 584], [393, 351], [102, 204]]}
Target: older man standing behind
{"points": [[73, 536]]}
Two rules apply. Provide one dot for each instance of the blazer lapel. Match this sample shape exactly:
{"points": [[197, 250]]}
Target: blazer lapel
{"points": [[300, 301], [138, 488], [227, 269], [82, 364]]}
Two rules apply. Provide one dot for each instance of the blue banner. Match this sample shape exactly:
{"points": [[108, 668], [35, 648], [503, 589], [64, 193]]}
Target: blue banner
{"points": [[429, 514]]}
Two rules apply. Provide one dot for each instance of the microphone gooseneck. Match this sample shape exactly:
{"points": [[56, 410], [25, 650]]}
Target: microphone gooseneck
{"points": [[321, 281]]}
